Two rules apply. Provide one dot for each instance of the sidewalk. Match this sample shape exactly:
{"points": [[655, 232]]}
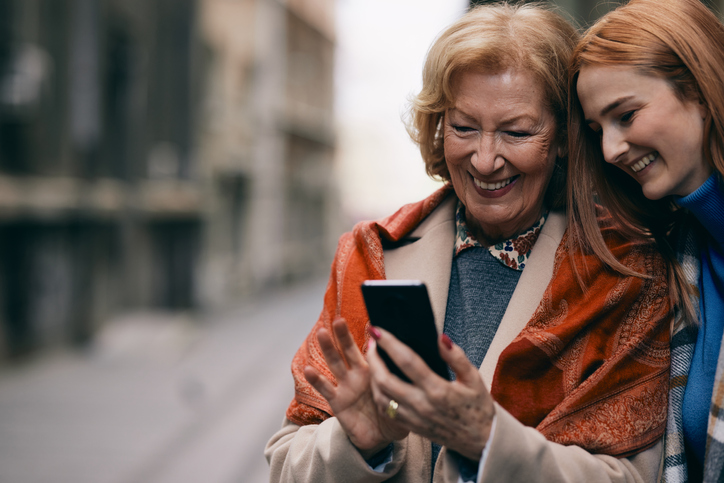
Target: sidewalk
{"points": [[158, 399]]}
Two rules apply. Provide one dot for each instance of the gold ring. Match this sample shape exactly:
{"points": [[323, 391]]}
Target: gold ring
{"points": [[392, 409]]}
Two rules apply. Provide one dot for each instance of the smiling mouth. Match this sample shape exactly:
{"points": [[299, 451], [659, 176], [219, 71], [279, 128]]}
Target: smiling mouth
{"points": [[495, 186], [643, 162]]}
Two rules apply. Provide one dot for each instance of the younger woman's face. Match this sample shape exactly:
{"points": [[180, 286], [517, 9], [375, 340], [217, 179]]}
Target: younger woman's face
{"points": [[645, 129]]}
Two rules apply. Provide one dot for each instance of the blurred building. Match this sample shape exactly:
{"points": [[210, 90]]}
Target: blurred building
{"points": [[171, 154]]}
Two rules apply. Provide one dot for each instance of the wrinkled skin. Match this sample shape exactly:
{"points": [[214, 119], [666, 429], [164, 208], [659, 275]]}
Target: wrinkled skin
{"points": [[455, 414], [501, 143], [351, 400]]}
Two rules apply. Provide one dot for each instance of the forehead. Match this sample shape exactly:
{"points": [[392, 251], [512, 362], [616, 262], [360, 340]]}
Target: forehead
{"points": [[511, 88], [600, 86], [606, 74]]}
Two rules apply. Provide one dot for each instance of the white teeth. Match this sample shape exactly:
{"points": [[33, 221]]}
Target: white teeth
{"points": [[643, 162], [492, 186]]}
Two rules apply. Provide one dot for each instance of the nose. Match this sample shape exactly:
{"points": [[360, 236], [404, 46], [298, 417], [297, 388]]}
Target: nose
{"points": [[487, 158], [613, 145]]}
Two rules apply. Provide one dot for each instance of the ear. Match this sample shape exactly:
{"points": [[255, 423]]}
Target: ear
{"points": [[562, 151], [703, 110]]}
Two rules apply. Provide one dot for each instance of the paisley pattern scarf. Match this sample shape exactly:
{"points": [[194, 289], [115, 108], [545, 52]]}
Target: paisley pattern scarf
{"points": [[590, 369]]}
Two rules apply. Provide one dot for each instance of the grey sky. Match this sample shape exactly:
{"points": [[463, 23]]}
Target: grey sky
{"points": [[381, 45]]}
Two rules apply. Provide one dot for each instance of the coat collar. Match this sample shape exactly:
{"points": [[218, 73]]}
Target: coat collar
{"points": [[428, 257]]}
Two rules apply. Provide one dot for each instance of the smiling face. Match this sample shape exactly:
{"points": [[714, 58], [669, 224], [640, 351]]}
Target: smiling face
{"points": [[645, 129], [500, 148]]}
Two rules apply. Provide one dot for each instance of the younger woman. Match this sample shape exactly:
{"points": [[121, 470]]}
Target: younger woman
{"points": [[647, 138]]}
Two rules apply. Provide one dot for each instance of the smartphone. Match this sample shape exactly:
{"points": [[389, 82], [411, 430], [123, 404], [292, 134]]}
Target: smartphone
{"points": [[403, 308]]}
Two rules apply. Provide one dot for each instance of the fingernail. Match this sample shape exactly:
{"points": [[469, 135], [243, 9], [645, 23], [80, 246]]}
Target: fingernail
{"points": [[369, 346], [375, 332], [446, 340]]}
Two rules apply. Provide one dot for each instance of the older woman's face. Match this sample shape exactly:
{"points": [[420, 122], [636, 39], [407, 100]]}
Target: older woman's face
{"points": [[500, 148]]}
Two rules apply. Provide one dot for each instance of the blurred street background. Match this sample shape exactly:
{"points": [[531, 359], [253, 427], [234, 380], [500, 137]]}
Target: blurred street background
{"points": [[159, 399], [174, 175]]}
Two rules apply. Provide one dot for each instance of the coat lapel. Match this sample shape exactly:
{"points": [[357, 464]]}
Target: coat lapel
{"points": [[428, 257], [528, 293]]}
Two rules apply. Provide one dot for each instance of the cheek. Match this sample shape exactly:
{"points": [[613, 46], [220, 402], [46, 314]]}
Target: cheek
{"points": [[455, 166], [458, 178], [538, 175], [454, 150], [693, 142], [537, 162]]}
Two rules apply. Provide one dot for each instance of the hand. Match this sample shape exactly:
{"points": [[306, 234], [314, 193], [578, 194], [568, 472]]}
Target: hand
{"points": [[456, 414], [351, 400]]}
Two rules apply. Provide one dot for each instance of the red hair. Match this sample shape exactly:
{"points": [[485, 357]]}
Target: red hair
{"points": [[682, 42]]}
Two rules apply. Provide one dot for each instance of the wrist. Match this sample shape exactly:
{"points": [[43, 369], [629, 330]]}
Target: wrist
{"points": [[473, 450], [369, 453], [472, 454]]}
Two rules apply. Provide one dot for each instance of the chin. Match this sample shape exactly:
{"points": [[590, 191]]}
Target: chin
{"points": [[653, 195]]}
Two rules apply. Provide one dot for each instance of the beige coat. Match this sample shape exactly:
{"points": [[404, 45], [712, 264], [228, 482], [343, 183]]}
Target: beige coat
{"points": [[323, 453]]}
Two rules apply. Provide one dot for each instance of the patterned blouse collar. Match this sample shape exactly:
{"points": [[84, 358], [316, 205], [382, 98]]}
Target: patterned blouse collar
{"points": [[512, 253]]}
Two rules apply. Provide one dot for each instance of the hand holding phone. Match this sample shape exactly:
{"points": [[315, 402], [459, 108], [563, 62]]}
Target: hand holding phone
{"points": [[403, 308]]}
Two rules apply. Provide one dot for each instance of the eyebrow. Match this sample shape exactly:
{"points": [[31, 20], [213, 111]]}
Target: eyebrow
{"points": [[611, 107], [511, 120], [461, 113]]}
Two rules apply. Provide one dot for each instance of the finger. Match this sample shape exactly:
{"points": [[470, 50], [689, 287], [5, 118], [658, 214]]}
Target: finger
{"points": [[320, 383], [465, 372], [378, 371], [334, 359], [406, 359], [407, 414], [384, 384], [378, 368], [346, 343], [416, 409]]}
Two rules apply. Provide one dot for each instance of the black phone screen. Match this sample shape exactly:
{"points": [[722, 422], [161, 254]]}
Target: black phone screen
{"points": [[402, 307]]}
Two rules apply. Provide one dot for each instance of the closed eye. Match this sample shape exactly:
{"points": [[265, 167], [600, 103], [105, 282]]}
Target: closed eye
{"points": [[517, 134], [462, 129], [627, 117]]}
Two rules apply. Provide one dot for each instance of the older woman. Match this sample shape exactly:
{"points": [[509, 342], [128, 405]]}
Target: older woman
{"points": [[577, 367]]}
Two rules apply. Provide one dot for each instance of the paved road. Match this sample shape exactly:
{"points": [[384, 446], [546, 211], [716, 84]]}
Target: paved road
{"points": [[158, 399]]}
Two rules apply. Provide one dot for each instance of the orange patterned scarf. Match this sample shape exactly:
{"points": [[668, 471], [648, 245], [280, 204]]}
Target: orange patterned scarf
{"points": [[590, 368]]}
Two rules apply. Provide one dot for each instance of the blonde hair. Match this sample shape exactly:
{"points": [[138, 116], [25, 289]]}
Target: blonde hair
{"points": [[494, 38], [682, 42]]}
